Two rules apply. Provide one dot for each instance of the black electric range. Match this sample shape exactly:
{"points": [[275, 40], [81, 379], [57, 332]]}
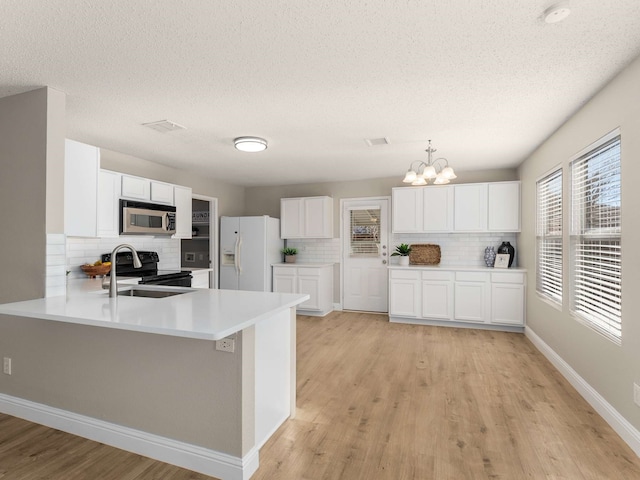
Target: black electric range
{"points": [[149, 271]]}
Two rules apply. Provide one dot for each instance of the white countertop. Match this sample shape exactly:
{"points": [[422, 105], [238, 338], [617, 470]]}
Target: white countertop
{"points": [[200, 313], [457, 268]]}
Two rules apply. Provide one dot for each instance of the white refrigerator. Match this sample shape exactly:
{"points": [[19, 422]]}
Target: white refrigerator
{"points": [[248, 248]]}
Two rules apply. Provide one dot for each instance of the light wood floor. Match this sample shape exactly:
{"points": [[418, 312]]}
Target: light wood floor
{"points": [[380, 401]]}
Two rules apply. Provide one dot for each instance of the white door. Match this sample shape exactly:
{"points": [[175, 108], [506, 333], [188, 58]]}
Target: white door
{"points": [[365, 254]]}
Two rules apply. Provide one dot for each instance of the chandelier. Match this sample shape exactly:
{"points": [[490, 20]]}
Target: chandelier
{"points": [[437, 170]]}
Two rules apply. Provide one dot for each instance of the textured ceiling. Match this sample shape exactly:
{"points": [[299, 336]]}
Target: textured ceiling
{"points": [[486, 80]]}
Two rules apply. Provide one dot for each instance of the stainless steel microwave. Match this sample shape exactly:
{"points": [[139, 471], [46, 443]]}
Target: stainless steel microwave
{"points": [[141, 218]]}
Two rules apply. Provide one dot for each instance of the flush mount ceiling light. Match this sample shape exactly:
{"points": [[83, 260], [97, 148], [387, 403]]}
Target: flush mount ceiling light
{"points": [[556, 13], [250, 144], [437, 170]]}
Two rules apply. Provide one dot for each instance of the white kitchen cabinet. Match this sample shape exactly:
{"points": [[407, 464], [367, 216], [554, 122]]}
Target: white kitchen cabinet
{"points": [[471, 297], [438, 208], [437, 295], [504, 207], [306, 217], [81, 167], [200, 279], [162, 192], [404, 293], [422, 209], [313, 280], [108, 204], [136, 188], [407, 205], [470, 211], [507, 298], [183, 211]]}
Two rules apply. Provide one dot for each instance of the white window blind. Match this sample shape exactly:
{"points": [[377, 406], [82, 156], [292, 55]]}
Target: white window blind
{"points": [[596, 253], [365, 231], [549, 236]]}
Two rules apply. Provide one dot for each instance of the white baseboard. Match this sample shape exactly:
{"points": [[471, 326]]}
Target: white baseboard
{"points": [[191, 457], [622, 427]]}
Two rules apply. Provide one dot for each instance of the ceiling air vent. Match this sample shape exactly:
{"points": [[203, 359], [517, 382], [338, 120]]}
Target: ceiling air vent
{"points": [[163, 126], [373, 142]]}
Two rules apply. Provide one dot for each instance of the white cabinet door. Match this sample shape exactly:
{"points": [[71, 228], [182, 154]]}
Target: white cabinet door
{"points": [[291, 222], [504, 207], [470, 301], [318, 217], [311, 286], [407, 207], [437, 299], [162, 193], [438, 208], [404, 293], [183, 211], [200, 279], [81, 167], [108, 204], [507, 304], [136, 187], [470, 212]]}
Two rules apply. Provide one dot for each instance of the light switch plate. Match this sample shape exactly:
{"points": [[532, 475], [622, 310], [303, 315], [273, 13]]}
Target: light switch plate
{"points": [[636, 394]]}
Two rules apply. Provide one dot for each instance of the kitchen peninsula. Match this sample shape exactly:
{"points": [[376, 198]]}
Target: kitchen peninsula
{"points": [[143, 374]]}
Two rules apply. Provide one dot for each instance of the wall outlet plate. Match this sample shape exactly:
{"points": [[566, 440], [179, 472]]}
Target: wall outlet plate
{"points": [[6, 366], [226, 345], [636, 394]]}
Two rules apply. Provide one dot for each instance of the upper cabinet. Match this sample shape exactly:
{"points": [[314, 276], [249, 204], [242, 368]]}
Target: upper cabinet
{"points": [[472, 207], [417, 210], [81, 166], [470, 210], [306, 217], [138, 188], [504, 207], [108, 207], [183, 211]]}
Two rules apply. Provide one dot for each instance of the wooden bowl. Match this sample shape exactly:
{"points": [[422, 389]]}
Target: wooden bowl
{"points": [[93, 270]]}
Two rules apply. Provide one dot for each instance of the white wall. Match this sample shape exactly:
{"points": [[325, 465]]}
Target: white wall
{"points": [[608, 368]]}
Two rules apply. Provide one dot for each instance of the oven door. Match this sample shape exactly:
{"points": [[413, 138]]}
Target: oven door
{"points": [[183, 281]]}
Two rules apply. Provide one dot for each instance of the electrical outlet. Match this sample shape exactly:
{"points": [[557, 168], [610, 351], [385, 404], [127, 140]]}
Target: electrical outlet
{"points": [[6, 366], [636, 394], [226, 345]]}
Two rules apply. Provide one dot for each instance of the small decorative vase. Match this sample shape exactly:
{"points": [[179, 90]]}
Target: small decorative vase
{"points": [[507, 248], [404, 260], [289, 259], [489, 256]]}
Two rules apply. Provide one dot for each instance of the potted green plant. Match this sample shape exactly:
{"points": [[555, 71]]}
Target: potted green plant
{"points": [[289, 254], [403, 250]]}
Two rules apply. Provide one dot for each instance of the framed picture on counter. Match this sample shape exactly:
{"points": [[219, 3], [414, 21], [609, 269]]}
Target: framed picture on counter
{"points": [[502, 260]]}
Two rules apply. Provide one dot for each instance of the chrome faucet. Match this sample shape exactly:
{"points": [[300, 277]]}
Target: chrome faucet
{"points": [[113, 285]]}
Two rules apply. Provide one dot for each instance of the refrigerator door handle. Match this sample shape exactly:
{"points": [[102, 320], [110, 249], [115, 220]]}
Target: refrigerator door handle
{"points": [[238, 250]]}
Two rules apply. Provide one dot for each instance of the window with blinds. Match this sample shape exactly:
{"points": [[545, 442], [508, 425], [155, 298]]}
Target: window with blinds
{"points": [[365, 231], [596, 254], [549, 236]]}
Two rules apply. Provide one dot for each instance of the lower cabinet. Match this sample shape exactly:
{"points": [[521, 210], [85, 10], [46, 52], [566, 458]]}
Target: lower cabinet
{"points": [[478, 298], [200, 279], [314, 280]]}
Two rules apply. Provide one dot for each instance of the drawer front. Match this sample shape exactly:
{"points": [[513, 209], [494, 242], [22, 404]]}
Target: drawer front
{"points": [[308, 272], [507, 278], [472, 277], [284, 271], [431, 275], [404, 274]]}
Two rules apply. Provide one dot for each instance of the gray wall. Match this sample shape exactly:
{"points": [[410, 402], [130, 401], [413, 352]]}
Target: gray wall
{"points": [[31, 188], [608, 368]]}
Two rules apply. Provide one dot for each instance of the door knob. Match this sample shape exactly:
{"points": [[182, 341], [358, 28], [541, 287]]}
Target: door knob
{"points": [[384, 262], [384, 254]]}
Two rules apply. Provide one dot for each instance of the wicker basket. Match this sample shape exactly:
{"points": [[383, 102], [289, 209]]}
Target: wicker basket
{"points": [[94, 270], [424, 254]]}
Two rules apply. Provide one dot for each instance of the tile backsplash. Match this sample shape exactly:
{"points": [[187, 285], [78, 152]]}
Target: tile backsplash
{"points": [[458, 249], [316, 250], [88, 250]]}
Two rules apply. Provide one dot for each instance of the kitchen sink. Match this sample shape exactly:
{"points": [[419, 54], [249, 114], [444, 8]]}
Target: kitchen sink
{"points": [[135, 292]]}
